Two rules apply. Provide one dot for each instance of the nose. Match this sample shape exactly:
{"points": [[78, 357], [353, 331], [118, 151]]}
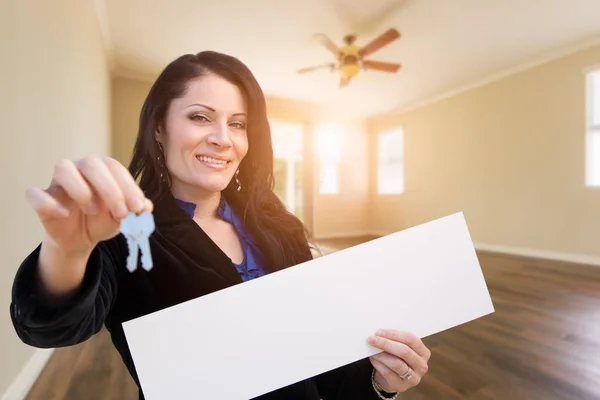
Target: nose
{"points": [[219, 136]]}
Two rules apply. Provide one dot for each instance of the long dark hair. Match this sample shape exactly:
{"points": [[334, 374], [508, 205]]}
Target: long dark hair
{"points": [[281, 236]]}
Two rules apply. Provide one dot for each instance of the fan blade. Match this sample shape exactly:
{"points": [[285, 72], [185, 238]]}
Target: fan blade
{"points": [[316, 67], [329, 44], [381, 66], [382, 40], [344, 81]]}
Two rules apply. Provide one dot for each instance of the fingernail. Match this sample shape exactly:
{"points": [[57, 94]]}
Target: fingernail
{"points": [[138, 205], [380, 332], [372, 340], [32, 197], [121, 209]]}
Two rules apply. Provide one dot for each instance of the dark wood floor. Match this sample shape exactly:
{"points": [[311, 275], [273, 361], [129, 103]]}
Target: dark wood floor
{"points": [[542, 343]]}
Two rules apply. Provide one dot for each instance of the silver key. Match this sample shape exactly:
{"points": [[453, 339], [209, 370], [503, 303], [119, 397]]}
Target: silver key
{"points": [[129, 229], [137, 229], [146, 224], [132, 258]]}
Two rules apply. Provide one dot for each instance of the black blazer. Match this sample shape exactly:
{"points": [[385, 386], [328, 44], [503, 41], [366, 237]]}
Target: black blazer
{"points": [[187, 264]]}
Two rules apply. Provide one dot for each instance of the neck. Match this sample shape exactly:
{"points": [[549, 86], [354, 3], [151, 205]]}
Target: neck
{"points": [[207, 203]]}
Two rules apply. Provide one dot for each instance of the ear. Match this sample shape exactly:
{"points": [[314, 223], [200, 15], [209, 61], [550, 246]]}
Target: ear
{"points": [[158, 135]]}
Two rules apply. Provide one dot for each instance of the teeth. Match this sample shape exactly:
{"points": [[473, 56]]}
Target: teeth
{"points": [[211, 160]]}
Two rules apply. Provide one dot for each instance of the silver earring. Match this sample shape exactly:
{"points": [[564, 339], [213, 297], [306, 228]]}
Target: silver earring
{"points": [[158, 158], [237, 180]]}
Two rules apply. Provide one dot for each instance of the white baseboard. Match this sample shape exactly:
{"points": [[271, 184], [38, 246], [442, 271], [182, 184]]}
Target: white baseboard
{"points": [[24, 381], [542, 254], [575, 258]]}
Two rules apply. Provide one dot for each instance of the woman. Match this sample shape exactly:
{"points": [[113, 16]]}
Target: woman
{"points": [[203, 157]]}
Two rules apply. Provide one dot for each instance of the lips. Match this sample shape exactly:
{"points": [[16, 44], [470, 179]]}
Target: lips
{"points": [[213, 160], [214, 163]]}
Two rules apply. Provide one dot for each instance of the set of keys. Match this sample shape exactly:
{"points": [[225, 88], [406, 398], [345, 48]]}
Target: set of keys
{"points": [[137, 229]]}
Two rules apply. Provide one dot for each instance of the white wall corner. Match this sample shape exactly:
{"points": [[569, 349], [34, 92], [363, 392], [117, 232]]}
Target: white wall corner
{"points": [[26, 378], [540, 254], [101, 12]]}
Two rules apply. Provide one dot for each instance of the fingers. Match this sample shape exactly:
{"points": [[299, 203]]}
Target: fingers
{"points": [[407, 338], [97, 173], [67, 176], [401, 351], [44, 204], [94, 181], [134, 197], [392, 379], [398, 366], [149, 205]]}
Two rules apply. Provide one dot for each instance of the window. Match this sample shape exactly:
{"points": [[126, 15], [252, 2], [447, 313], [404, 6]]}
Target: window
{"points": [[287, 164], [592, 177], [329, 141], [390, 165]]}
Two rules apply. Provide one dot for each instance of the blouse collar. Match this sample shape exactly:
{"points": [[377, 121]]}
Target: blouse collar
{"points": [[225, 212], [224, 209]]}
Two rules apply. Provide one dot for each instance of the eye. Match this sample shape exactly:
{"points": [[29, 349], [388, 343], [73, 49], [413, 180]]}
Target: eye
{"points": [[238, 125], [199, 118]]}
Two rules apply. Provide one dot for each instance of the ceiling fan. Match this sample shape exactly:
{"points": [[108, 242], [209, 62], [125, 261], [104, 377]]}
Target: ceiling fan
{"points": [[350, 57]]}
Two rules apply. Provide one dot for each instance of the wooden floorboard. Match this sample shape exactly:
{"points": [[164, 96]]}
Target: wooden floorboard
{"points": [[543, 342]]}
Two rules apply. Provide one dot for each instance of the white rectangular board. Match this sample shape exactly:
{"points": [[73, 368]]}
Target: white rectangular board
{"points": [[261, 335]]}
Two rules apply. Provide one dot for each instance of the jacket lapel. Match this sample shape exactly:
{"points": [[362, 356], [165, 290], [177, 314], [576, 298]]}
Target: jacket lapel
{"points": [[175, 225]]}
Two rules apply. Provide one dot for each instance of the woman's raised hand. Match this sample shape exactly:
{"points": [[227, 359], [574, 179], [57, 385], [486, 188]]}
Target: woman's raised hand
{"points": [[85, 202]]}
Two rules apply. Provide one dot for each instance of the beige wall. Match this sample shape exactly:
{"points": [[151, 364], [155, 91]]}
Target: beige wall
{"points": [[54, 104], [345, 213], [509, 154], [128, 96]]}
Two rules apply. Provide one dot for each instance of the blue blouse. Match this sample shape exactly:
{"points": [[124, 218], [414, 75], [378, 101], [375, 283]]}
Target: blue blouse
{"points": [[252, 265]]}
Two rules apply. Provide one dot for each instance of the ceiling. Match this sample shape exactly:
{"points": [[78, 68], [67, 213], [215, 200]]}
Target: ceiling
{"points": [[445, 45]]}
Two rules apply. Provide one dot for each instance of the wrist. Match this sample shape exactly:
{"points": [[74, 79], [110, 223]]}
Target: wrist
{"points": [[60, 272], [382, 392], [68, 252]]}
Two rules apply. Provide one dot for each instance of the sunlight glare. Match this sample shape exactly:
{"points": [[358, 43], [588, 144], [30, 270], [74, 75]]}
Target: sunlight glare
{"points": [[329, 143]]}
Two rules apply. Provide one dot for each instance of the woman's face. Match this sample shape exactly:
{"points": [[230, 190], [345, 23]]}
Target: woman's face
{"points": [[205, 137]]}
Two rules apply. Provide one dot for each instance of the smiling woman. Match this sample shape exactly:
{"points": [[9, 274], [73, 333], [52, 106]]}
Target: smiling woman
{"points": [[204, 160], [219, 128]]}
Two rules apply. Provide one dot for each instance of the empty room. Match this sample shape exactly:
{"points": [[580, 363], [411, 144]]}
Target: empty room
{"points": [[412, 186]]}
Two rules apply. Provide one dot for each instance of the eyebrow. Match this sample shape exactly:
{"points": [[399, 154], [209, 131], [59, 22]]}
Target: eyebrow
{"points": [[211, 109]]}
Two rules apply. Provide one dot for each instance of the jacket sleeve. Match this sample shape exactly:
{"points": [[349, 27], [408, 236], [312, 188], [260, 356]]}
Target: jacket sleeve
{"points": [[45, 322], [350, 382]]}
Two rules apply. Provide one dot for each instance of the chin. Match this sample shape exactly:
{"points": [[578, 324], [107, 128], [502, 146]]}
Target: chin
{"points": [[205, 182], [213, 185]]}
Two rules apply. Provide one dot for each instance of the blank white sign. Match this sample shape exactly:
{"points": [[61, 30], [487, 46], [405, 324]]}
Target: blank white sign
{"points": [[270, 332]]}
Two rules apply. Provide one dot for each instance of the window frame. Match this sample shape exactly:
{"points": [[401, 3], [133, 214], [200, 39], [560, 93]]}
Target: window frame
{"points": [[388, 132], [591, 131], [333, 160]]}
